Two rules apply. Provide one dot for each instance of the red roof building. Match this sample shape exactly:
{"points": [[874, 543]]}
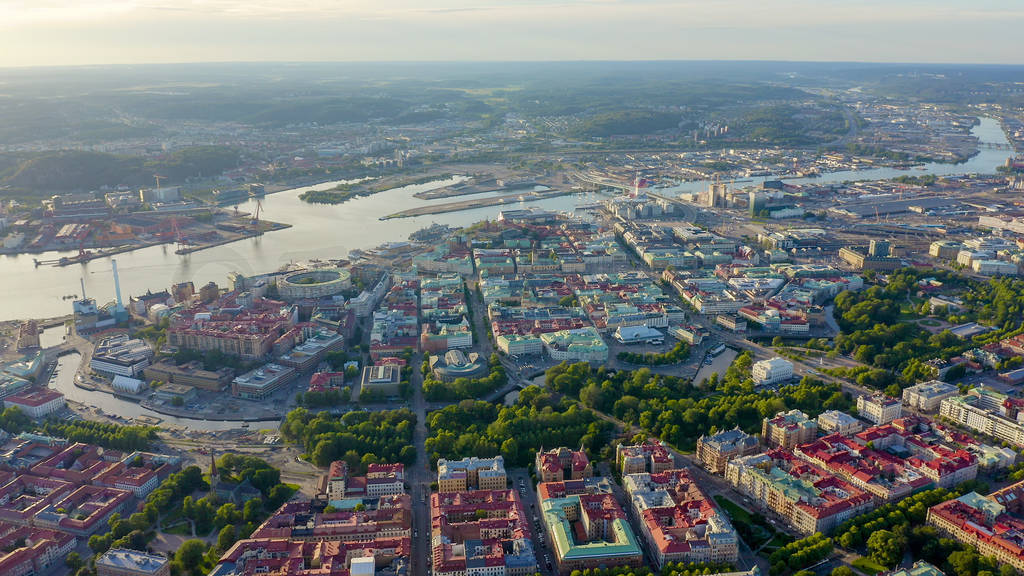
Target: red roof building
{"points": [[562, 464], [679, 522]]}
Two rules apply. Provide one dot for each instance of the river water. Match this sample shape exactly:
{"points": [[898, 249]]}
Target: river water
{"points": [[323, 231], [63, 381]]}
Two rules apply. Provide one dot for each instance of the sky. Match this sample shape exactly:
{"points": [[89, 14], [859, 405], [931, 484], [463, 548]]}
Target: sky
{"points": [[91, 32]]}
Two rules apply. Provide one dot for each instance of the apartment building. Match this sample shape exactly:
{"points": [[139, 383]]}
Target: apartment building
{"points": [[788, 429], [471, 474], [562, 464], [928, 396], [879, 408], [715, 451], [809, 498], [651, 456], [678, 521]]}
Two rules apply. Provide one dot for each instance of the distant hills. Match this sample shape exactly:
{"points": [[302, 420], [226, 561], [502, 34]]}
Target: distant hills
{"points": [[47, 172]]}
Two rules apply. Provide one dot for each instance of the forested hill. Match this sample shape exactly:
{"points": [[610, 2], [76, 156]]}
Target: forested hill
{"points": [[67, 170]]}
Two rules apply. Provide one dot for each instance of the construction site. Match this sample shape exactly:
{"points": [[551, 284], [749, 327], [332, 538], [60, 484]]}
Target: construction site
{"points": [[100, 226]]}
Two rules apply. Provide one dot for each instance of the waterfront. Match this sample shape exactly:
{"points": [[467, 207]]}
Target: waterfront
{"points": [[329, 231], [64, 382]]}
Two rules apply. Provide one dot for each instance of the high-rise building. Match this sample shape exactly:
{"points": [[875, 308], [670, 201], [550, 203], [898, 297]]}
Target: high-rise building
{"points": [[879, 248]]}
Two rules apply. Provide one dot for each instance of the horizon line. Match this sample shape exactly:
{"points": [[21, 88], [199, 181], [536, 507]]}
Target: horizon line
{"points": [[503, 61]]}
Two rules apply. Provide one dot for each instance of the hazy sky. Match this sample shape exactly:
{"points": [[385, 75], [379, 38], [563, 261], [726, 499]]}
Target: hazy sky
{"points": [[46, 32]]}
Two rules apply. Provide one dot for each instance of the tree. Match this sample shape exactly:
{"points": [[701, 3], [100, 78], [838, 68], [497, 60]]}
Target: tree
{"points": [[842, 571], [885, 547], [190, 555], [73, 561], [278, 495], [226, 537], [251, 510]]}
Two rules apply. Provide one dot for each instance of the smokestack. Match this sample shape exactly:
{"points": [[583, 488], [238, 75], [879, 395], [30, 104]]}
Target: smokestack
{"points": [[117, 286], [82, 280]]}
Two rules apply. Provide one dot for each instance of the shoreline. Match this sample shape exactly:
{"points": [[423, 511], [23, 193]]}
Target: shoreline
{"points": [[478, 203], [160, 409]]}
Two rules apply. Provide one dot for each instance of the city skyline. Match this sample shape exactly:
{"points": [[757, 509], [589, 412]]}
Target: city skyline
{"points": [[92, 32]]}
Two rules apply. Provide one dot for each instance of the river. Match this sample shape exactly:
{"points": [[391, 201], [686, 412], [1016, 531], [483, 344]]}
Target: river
{"points": [[324, 231]]}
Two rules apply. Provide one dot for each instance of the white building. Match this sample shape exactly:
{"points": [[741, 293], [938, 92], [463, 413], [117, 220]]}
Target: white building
{"points": [[879, 408], [121, 356], [994, 267], [519, 345], [126, 384], [772, 371], [36, 403], [836, 422], [928, 396]]}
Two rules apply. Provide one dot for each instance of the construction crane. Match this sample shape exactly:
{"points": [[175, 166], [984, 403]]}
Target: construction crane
{"points": [[256, 217], [158, 179]]}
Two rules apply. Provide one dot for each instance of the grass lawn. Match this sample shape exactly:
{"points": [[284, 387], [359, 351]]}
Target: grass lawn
{"points": [[173, 516], [181, 529], [868, 566], [733, 510]]}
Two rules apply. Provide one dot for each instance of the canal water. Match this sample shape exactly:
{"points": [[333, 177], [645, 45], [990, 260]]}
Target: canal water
{"points": [[324, 231], [64, 382]]}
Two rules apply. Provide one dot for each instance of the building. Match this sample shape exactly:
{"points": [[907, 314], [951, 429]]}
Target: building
{"points": [[26, 551], [261, 383], [581, 345], [678, 521], [992, 267], [190, 374], [380, 381], [483, 532], [638, 334], [809, 499], [37, 403], [920, 568], [313, 284], [471, 474], [587, 528], [879, 408], [928, 396], [715, 451], [788, 429], [858, 260], [85, 511], [282, 556], [247, 332], [121, 356], [992, 524], [380, 480], [562, 464], [867, 462], [455, 364], [121, 562], [772, 371], [651, 456], [977, 413], [836, 422], [315, 344], [944, 249]]}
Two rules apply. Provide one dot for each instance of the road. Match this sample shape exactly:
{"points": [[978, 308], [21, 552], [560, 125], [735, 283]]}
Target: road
{"points": [[419, 476]]}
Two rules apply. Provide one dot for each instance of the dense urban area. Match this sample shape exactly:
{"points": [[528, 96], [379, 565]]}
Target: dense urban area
{"points": [[769, 324]]}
